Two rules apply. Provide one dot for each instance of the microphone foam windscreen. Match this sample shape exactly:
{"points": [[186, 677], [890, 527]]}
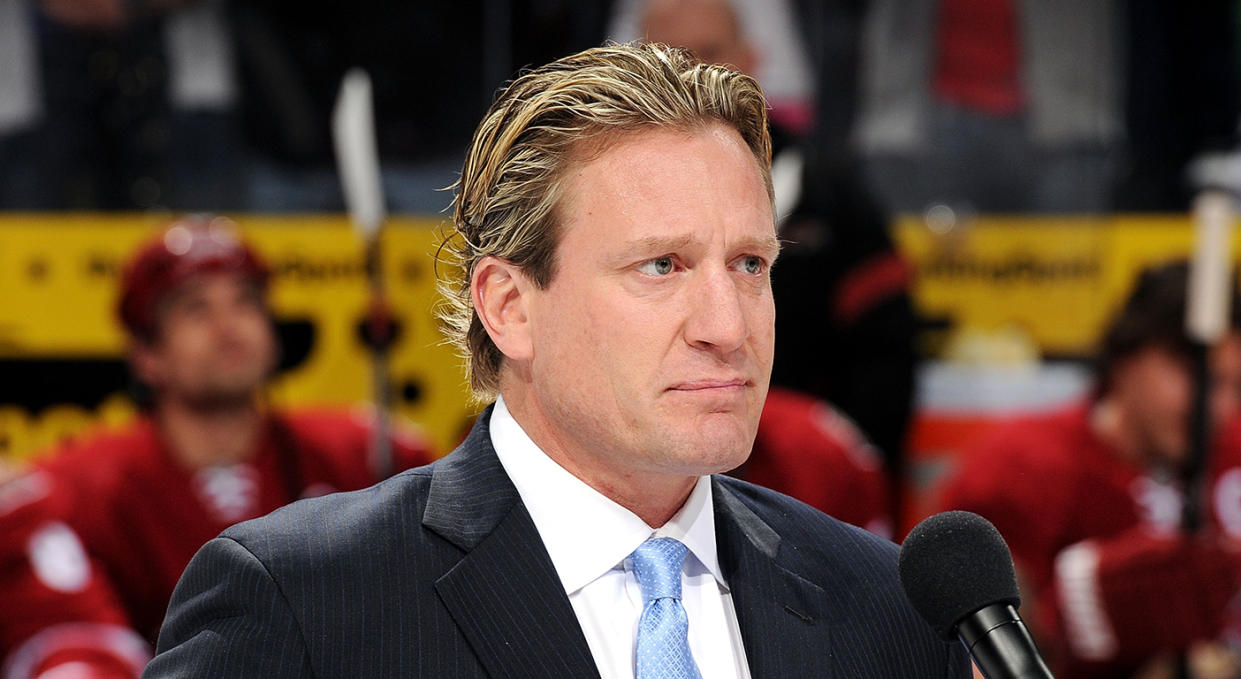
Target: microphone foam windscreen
{"points": [[953, 564]]}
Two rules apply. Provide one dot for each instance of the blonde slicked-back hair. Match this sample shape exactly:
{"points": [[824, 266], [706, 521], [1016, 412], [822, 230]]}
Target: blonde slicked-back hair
{"points": [[548, 118]]}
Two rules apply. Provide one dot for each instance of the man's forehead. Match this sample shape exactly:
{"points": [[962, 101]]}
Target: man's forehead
{"points": [[758, 243], [636, 210], [201, 282], [647, 149]]}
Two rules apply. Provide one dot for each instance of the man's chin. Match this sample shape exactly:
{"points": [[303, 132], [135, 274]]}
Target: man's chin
{"points": [[222, 397], [716, 445]]}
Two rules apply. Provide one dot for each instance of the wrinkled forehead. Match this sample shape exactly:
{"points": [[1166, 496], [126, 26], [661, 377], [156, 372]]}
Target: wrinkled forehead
{"points": [[669, 186], [595, 144]]}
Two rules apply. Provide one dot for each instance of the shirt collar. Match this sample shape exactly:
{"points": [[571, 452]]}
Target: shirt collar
{"points": [[585, 532]]}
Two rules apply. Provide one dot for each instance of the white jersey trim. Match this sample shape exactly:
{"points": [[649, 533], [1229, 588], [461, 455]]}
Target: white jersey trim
{"points": [[118, 641], [1090, 633]]}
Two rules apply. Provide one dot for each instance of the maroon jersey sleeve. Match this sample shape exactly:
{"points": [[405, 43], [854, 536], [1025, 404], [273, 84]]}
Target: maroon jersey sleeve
{"points": [[1127, 597], [1105, 586], [1013, 479], [410, 447], [58, 606], [1224, 493], [334, 447], [810, 451]]}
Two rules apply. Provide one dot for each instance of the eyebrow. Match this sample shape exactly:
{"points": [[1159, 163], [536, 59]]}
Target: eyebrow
{"points": [[769, 245], [654, 244]]}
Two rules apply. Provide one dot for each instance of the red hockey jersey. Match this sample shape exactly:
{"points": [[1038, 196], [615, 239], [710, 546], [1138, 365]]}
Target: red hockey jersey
{"points": [[139, 518], [57, 607], [810, 451], [1106, 575]]}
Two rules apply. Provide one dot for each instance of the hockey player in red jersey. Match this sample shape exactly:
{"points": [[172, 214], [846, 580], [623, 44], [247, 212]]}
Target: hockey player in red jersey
{"points": [[1089, 500], [60, 616], [96, 535], [807, 449]]}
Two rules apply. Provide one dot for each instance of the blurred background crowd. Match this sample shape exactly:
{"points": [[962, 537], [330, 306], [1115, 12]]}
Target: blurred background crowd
{"points": [[984, 205], [191, 105]]}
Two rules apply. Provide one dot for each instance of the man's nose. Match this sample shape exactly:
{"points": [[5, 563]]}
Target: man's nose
{"points": [[225, 320], [717, 318]]}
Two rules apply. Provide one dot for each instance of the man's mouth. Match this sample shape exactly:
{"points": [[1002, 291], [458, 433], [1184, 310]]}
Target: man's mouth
{"points": [[719, 384]]}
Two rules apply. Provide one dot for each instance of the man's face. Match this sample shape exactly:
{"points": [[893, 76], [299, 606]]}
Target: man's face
{"points": [[1157, 386], [214, 343], [652, 345], [708, 27]]}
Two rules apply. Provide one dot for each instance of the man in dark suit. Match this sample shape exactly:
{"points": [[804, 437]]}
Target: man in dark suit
{"points": [[615, 232]]}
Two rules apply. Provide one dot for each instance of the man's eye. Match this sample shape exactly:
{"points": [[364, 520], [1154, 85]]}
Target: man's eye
{"points": [[752, 264], [660, 266]]}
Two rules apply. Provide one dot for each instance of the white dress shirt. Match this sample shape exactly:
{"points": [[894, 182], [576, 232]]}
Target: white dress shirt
{"points": [[590, 538]]}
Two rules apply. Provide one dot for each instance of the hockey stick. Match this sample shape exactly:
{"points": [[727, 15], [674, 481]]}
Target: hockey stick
{"points": [[353, 132], [1207, 312]]}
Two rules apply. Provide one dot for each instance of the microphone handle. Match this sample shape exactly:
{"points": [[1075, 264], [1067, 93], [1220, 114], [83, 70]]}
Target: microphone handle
{"points": [[1001, 645]]}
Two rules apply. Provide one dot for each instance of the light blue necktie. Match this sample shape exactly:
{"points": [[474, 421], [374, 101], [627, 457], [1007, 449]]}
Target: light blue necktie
{"points": [[663, 629]]}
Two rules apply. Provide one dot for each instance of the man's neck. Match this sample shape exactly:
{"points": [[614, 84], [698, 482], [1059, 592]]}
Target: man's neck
{"points": [[198, 438], [654, 498]]}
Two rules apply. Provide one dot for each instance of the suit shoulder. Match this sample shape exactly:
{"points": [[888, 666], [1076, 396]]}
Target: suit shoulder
{"points": [[855, 582], [812, 536]]}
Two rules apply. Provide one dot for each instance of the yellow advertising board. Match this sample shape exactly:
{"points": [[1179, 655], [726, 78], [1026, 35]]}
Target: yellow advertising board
{"points": [[1053, 281], [1043, 285], [64, 352]]}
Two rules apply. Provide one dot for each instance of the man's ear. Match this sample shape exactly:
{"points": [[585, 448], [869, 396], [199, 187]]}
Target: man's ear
{"points": [[502, 294]]}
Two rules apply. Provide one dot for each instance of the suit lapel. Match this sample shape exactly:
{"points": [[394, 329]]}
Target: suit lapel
{"points": [[783, 619], [508, 602], [504, 594]]}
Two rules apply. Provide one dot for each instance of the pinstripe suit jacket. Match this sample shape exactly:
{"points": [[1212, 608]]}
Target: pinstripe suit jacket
{"points": [[439, 572]]}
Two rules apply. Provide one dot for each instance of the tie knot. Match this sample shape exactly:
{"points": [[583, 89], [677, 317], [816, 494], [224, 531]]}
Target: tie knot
{"points": [[657, 563]]}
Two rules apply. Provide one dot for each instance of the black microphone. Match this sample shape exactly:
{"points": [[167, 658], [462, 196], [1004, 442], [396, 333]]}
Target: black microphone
{"points": [[958, 574]]}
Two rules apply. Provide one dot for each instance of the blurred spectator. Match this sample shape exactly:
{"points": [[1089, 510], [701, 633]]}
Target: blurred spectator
{"points": [[845, 321], [762, 33], [20, 102], [292, 57], [1090, 498], [724, 32], [996, 105], [62, 617], [116, 105], [211, 104], [807, 449], [433, 67], [98, 532], [833, 29], [206, 149]]}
